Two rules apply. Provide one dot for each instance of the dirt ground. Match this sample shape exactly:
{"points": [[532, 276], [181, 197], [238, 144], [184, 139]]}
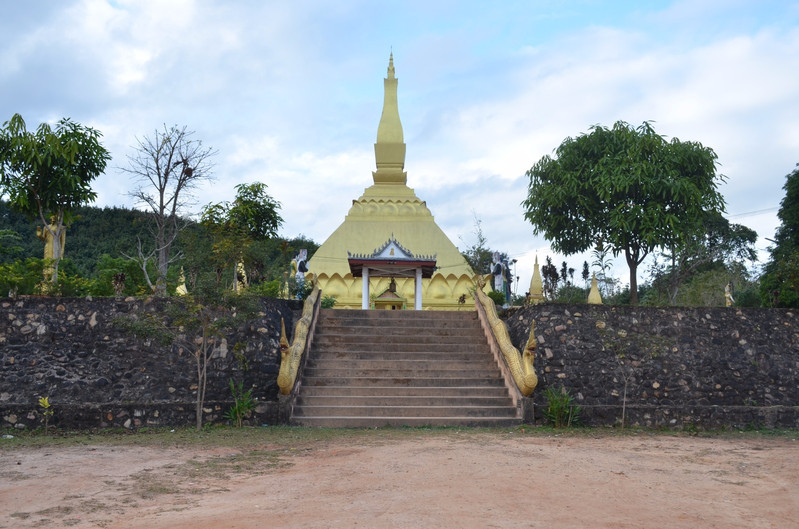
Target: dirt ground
{"points": [[448, 480]]}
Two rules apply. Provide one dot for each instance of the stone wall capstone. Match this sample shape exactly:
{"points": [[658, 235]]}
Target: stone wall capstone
{"points": [[96, 374]]}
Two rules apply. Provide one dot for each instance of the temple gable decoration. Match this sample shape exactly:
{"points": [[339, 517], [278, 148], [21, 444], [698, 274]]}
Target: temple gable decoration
{"points": [[391, 260]]}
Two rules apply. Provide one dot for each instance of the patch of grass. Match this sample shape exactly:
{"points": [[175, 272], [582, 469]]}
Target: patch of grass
{"points": [[181, 478], [61, 510], [92, 506], [296, 438], [252, 462], [12, 475], [147, 485]]}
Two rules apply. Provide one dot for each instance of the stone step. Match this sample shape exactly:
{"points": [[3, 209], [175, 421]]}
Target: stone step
{"points": [[410, 338], [332, 372], [378, 422], [382, 331], [344, 325], [427, 348], [396, 315], [428, 354], [403, 368], [404, 391], [393, 381], [476, 364], [405, 411], [390, 401]]}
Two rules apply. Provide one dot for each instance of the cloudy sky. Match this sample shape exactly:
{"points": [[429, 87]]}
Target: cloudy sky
{"points": [[290, 94]]}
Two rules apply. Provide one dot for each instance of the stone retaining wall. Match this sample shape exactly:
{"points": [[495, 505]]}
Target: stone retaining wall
{"points": [[681, 367], [96, 374]]}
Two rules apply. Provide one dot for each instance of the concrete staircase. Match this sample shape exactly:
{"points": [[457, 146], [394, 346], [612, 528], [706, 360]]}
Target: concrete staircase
{"points": [[380, 367]]}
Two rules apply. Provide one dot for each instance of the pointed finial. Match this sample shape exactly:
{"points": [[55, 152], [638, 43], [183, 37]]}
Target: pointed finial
{"points": [[390, 145], [391, 65]]}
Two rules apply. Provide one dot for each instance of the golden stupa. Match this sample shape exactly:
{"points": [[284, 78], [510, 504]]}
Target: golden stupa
{"points": [[389, 211]]}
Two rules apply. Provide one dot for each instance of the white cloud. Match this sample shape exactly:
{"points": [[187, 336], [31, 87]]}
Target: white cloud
{"points": [[290, 94]]}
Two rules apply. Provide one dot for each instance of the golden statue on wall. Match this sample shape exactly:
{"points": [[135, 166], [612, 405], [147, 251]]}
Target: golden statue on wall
{"points": [[50, 251]]}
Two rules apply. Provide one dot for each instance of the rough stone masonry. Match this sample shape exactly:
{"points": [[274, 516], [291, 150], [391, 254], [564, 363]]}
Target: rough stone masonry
{"points": [[660, 367], [97, 374], [674, 367]]}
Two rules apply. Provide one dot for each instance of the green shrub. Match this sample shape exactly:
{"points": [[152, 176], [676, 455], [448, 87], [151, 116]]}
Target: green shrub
{"points": [[299, 290], [21, 277], [749, 297], [572, 294], [243, 404], [269, 289], [497, 296], [560, 408], [328, 302]]}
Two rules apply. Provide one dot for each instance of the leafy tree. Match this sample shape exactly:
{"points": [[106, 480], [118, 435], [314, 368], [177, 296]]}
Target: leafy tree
{"points": [[569, 293], [606, 283], [779, 284], [550, 279], [48, 173], [253, 215], [128, 274], [705, 288], [478, 255], [566, 273], [626, 188], [95, 232], [25, 228], [167, 167], [24, 277], [111, 231], [9, 244], [267, 260], [197, 323], [719, 244], [21, 277]]}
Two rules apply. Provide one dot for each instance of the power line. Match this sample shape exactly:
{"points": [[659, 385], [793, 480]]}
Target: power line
{"points": [[752, 213]]}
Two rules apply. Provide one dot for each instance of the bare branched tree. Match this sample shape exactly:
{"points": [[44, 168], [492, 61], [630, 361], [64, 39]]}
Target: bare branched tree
{"points": [[167, 167]]}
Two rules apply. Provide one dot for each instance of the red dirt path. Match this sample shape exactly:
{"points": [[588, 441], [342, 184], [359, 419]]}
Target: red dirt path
{"points": [[448, 480]]}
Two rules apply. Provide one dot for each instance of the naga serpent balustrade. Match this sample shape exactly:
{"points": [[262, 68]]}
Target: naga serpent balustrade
{"points": [[290, 355], [520, 364]]}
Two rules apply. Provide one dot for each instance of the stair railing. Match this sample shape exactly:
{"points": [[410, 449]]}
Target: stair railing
{"points": [[520, 365], [292, 356]]}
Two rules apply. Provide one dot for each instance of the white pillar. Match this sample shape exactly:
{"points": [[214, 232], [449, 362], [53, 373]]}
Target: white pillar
{"points": [[417, 302], [365, 289]]}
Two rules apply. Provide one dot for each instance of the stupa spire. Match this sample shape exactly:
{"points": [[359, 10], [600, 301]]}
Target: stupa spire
{"points": [[390, 146]]}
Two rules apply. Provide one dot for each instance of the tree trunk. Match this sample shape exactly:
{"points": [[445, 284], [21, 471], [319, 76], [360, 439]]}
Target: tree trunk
{"points": [[632, 262], [163, 265], [198, 405], [674, 278], [203, 356], [58, 251]]}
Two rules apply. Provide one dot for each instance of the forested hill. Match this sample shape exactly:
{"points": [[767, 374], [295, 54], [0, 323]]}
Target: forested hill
{"points": [[115, 232], [95, 232]]}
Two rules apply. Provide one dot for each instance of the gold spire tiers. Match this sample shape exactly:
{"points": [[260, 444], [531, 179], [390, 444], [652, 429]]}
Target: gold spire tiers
{"points": [[390, 210], [390, 146]]}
